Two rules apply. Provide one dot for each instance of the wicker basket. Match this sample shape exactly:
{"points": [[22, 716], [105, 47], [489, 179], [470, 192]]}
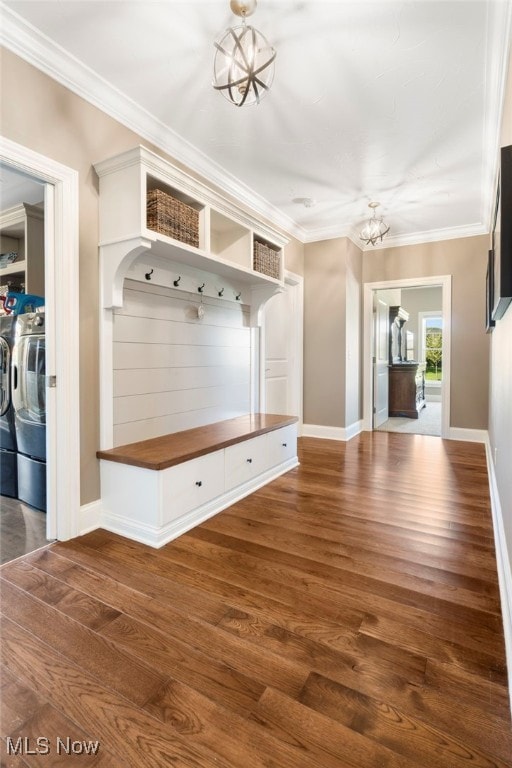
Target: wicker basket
{"points": [[172, 217], [266, 259]]}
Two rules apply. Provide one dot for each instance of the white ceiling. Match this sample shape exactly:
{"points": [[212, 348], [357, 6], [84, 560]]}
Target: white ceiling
{"points": [[394, 100]]}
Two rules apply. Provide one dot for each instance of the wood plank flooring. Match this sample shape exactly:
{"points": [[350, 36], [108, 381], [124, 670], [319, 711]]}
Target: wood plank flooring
{"points": [[345, 616]]}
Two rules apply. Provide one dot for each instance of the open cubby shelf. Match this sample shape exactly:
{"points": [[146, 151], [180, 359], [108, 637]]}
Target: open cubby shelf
{"points": [[192, 223]]}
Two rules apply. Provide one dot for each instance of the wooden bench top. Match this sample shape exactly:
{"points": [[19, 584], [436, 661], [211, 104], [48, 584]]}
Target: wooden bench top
{"points": [[169, 450]]}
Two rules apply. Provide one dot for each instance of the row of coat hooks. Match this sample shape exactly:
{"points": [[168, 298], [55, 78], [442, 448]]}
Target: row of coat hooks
{"points": [[200, 288]]}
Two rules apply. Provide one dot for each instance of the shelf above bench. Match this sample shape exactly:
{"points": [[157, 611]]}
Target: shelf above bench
{"points": [[218, 236]]}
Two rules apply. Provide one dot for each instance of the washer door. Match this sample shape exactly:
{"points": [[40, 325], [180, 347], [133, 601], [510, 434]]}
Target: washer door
{"points": [[29, 386]]}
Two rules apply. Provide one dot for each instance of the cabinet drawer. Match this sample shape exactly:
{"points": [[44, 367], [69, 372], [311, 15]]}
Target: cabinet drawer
{"points": [[282, 444], [191, 484], [245, 460]]}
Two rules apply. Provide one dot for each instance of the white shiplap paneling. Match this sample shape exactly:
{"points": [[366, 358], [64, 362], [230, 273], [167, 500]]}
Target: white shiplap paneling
{"points": [[172, 370]]}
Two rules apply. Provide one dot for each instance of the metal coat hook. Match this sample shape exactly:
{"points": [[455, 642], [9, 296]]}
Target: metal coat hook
{"points": [[177, 281], [148, 274], [221, 292], [201, 288], [237, 297]]}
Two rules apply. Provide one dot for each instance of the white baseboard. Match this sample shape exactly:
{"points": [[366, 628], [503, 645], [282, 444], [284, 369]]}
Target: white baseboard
{"points": [[89, 517], [468, 435], [504, 563], [332, 433]]}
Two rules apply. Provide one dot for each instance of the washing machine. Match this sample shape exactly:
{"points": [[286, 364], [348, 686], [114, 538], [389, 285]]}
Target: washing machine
{"points": [[8, 455], [29, 401]]}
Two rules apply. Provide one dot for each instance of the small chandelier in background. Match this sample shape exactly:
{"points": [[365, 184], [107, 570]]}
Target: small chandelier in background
{"points": [[243, 68], [375, 228]]}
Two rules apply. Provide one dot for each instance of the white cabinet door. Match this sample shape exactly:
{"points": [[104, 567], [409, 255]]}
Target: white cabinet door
{"points": [[191, 484], [245, 460], [282, 444]]}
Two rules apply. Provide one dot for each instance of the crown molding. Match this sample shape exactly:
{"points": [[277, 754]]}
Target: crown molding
{"points": [[27, 42], [394, 241], [430, 236]]}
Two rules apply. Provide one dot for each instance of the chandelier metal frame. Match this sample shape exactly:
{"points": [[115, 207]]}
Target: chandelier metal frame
{"points": [[375, 228], [243, 65]]}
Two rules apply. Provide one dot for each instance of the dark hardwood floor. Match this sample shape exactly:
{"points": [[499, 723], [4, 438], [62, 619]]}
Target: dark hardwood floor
{"points": [[347, 614]]}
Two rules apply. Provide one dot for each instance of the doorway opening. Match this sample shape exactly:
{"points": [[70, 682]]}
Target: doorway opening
{"points": [[61, 376], [23, 475], [406, 375]]}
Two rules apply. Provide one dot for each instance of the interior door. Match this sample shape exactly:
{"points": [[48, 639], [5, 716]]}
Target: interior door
{"points": [[380, 364], [282, 353]]}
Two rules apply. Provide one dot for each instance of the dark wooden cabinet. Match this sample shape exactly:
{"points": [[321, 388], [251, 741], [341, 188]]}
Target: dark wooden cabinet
{"points": [[406, 389]]}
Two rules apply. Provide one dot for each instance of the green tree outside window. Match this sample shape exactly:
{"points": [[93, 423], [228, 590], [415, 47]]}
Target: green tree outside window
{"points": [[433, 350]]}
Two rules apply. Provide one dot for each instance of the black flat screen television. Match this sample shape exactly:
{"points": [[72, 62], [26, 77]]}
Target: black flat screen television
{"points": [[502, 237]]}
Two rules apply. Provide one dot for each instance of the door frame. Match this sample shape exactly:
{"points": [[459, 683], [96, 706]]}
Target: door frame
{"points": [[62, 333], [445, 282]]}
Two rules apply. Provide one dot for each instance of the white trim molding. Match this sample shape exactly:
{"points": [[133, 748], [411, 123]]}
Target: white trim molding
{"points": [[62, 330], [502, 560], [90, 517], [467, 435], [332, 433]]}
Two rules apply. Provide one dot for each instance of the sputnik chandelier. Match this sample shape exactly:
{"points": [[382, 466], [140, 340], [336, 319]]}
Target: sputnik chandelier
{"points": [[375, 228], [243, 67]]}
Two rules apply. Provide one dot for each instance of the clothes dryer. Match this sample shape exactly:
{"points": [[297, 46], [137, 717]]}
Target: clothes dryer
{"points": [[29, 400], [8, 456]]}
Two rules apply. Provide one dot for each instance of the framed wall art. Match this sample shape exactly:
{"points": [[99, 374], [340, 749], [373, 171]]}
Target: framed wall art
{"points": [[489, 293], [502, 238]]}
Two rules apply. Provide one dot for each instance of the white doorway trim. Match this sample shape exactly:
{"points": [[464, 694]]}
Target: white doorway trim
{"points": [[62, 330], [445, 281]]}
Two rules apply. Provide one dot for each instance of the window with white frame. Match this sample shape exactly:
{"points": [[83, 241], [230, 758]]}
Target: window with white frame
{"points": [[431, 346]]}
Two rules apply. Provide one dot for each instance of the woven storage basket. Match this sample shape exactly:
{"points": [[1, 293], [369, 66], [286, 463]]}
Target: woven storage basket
{"points": [[266, 259], [172, 217]]}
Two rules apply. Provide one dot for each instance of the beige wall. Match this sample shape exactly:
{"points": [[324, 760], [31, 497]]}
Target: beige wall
{"points": [[354, 318], [332, 336], [466, 261], [500, 411], [334, 271], [294, 256], [40, 114]]}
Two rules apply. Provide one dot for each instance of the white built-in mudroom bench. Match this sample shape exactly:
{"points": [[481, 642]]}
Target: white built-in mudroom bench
{"points": [[185, 274], [159, 488]]}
